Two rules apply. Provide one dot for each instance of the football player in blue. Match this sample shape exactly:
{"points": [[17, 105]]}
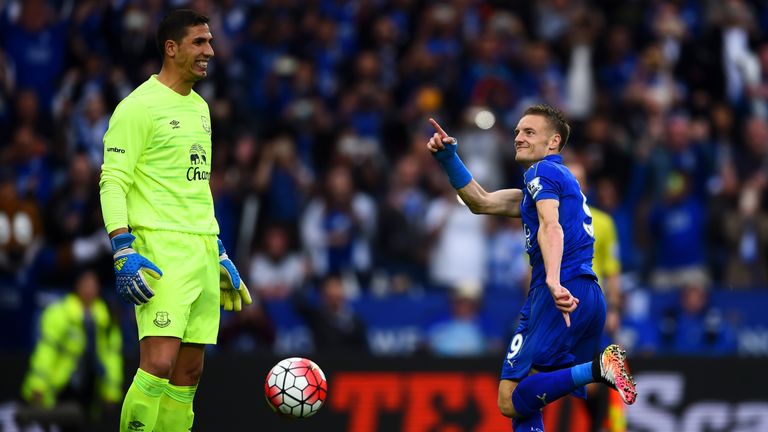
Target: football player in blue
{"points": [[555, 349]]}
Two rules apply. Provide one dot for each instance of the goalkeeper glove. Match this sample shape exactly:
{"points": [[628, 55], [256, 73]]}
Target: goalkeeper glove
{"points": [[130, 267], [233, 291]]}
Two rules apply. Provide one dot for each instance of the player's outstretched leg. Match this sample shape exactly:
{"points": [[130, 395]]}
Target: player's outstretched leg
{"points": [[534, 391], [609, 367]]}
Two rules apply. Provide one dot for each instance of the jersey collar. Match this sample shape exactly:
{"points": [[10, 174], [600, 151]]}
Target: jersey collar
{"points": [[556, 158]]}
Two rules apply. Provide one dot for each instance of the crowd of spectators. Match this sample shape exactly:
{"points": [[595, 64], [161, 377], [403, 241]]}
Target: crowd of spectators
{"points": [[319, 114]]}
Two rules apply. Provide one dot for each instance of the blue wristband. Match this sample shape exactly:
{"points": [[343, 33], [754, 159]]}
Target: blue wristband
{"points": [[122, 241], [458, 174]]}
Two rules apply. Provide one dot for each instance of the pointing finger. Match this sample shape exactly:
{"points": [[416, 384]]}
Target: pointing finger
{"points": [[567, 318], [439, 129]]}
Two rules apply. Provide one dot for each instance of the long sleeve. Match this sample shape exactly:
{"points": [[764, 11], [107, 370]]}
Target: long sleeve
{"points": [[129, 131]]}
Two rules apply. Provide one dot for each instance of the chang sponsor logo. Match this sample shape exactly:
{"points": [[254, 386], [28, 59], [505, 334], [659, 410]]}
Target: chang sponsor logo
{"points": [[198, 162], [194, 174], [197, 155]]}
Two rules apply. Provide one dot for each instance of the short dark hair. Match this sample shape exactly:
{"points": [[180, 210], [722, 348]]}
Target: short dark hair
{"points": [[556, 120], [174, 26]]}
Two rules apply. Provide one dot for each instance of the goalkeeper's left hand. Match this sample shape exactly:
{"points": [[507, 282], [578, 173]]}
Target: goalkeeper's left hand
{"points": [[233, 291]]}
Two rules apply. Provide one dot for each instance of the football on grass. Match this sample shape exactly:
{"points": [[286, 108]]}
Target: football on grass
{"points": [[296, 387]]}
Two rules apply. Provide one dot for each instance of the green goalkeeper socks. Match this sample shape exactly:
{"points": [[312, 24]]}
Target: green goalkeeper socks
{"points": [[176, 413], [141, 403]]}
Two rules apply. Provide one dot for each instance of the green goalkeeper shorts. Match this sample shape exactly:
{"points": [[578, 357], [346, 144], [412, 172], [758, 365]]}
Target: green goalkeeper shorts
{"points": [[186, 301]]}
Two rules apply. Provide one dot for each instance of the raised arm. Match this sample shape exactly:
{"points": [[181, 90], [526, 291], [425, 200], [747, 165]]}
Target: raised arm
{"points": [[505, 202]]}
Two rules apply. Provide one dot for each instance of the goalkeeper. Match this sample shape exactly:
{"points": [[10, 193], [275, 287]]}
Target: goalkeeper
{"points": [[157, 154]]}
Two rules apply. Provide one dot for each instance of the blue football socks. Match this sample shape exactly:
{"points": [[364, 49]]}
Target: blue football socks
{"points": [[582, 374], [539, 389], [534, 423]]}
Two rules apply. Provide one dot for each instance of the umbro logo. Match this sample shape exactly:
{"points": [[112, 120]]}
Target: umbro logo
{"points": [[175, 124], [136, 425]]}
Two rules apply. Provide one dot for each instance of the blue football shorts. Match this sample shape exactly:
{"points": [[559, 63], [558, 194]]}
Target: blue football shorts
{"points": [[543, 343]]}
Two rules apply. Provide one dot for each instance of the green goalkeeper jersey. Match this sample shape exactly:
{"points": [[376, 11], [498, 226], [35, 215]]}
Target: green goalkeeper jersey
{"points": [[157, 162]]}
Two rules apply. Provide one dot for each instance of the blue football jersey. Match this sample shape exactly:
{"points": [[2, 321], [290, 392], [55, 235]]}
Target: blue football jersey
{"points": [[550, 179]]}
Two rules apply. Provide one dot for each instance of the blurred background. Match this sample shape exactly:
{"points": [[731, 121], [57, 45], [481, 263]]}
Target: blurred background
{"points": [[348, 233]]}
